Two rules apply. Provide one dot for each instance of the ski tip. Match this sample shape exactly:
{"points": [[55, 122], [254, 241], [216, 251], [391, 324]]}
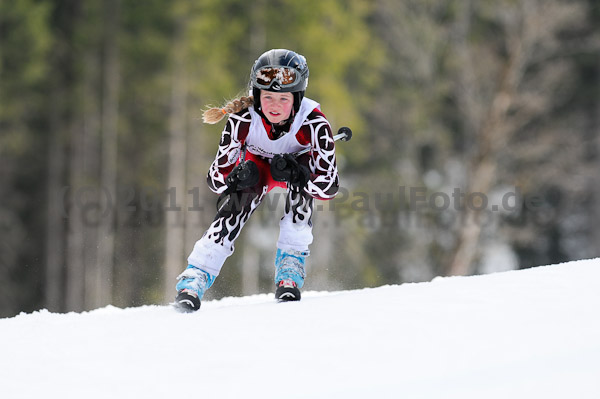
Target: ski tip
{"points": [[287, 294], [286, 297], [187, 302]]}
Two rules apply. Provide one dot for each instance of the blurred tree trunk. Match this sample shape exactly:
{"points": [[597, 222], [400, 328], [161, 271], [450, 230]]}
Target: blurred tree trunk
{"points": [[55, 231], [92, 213], [102, 287], [62, 82], [84, 166], [175, 221], [491, 123], [75, 270], [75, 266]]}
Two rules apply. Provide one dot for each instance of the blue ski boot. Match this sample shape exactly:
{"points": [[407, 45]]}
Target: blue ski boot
{"points": [[289, 274], [193, 282]]}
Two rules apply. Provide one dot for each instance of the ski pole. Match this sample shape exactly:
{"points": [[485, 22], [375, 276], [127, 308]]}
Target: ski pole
{"points": [[344, 134]]}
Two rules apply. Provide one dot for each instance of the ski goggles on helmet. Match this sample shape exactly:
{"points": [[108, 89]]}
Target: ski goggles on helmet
{"points": [[266, 76]]}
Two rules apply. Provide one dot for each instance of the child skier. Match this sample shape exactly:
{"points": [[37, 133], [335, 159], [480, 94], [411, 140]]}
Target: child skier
{"points": [[255, 155]]}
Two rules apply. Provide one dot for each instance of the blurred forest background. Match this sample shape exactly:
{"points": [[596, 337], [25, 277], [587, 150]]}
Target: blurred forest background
{"points": [[476, 141]]}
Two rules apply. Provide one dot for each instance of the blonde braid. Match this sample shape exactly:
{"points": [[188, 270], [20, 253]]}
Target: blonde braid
{"points": [[214, 115]]}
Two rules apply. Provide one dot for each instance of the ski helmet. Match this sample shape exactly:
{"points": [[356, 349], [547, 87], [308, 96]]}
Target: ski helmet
{"points": [[282, 71]]}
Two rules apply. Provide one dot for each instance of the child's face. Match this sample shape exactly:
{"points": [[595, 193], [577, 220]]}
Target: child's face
{"points": [[276, 106]]}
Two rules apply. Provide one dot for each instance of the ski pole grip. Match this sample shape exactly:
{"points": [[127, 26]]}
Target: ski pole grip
{"points": [[346, 132], [244, 172], [280, 163]]}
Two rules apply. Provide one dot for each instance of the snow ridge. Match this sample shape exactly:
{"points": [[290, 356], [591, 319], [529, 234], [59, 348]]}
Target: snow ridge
{"points": [[519, 334]]}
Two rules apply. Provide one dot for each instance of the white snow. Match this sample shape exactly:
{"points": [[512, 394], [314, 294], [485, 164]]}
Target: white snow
{"points": [[522, 334]]}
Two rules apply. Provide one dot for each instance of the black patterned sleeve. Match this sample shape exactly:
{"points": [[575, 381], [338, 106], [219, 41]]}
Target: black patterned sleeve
{"points": [[324, 181], [234, 133]]}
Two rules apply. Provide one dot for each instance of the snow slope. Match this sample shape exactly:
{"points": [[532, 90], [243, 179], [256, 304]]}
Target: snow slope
{"points": [[524, 334]]}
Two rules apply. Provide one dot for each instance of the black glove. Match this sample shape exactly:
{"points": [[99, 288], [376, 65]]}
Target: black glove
{"points": [[243, 176], [284, 167]]}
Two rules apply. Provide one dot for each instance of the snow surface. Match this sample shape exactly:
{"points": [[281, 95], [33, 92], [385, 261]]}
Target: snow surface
{"points": [[523, 334]]}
